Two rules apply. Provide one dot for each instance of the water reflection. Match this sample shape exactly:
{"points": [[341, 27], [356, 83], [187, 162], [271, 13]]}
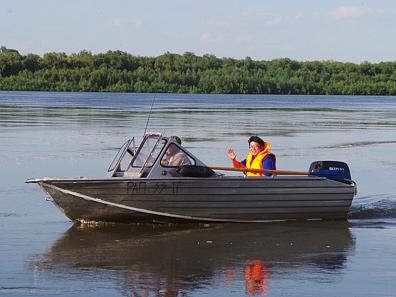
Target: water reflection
{"points": [[176, 261]]}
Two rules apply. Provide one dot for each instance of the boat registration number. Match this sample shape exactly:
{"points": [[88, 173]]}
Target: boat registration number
{"points": [[153, 188]]}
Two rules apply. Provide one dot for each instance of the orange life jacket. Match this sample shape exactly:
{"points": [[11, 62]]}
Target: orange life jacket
{"points": [[257, 162]]}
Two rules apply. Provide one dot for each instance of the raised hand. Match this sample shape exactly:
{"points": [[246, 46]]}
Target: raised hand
{"points": [[231, 154]]}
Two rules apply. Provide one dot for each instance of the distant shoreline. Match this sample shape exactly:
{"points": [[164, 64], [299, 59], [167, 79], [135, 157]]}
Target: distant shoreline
{"points": [[117, 71]]}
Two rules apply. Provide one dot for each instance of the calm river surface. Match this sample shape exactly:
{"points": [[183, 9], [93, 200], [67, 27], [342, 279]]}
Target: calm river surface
{"points": [[77, 134]]}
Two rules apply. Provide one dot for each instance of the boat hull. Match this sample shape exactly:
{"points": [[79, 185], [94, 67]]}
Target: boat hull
{"points": [[226, 199]]}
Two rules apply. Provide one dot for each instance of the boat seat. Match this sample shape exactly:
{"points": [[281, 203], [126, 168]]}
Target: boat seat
{"points": [[194, 171]]}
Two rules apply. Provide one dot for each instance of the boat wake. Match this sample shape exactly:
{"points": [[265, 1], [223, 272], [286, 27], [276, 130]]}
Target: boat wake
{"points": [[356, 144], [373, 207]]}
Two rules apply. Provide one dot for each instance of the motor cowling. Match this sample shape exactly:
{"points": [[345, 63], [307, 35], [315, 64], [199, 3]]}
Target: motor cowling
{"points": [[335, 170]]}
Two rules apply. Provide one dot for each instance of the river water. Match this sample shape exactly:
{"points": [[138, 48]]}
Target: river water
{"points": [[77, 134]]}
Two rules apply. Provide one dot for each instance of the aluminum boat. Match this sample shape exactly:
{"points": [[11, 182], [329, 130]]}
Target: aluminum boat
{"points": [[143, 186]]}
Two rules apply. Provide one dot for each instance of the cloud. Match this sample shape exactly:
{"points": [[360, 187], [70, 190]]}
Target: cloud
{"points": [[350, 12], [218, 23], [272, 19], [124, 22], [206, 36], [247, 30], [299, 16], [257, 19]]}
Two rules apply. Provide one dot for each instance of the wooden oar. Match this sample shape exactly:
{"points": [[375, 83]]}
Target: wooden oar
{"points": [[276, 172]]}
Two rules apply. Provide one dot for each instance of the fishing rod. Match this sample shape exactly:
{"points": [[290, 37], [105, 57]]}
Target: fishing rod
{"points": [[148, 119]]}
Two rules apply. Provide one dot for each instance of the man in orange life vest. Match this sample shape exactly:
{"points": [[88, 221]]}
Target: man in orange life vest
{"points": [[259, 157]]}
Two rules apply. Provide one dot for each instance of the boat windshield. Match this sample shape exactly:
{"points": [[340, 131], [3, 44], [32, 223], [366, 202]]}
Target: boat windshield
{"points": [[148, 151], [124, 154]]}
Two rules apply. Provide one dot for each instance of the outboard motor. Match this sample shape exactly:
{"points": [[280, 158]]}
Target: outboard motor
{"points": [[335, 170]]}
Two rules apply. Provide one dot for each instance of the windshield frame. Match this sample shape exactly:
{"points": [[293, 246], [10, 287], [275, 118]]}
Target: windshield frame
{"points": [[119, 156], [147, 162]]}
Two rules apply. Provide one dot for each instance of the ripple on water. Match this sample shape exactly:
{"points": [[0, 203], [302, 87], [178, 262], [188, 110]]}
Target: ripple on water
{"points": [[373, 207], [357, 144], [10, 214]]}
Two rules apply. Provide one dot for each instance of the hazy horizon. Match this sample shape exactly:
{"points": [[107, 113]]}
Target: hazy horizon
{"points": [[307, 30]]}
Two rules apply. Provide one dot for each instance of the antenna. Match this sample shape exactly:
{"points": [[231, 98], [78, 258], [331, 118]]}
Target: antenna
{"points": [[148, 119]]}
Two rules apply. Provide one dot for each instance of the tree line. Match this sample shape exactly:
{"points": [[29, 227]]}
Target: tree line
{"points": [[117, 71]]}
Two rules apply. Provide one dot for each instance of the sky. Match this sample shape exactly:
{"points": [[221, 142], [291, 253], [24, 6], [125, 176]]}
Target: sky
{"points": [[303, 30]]}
